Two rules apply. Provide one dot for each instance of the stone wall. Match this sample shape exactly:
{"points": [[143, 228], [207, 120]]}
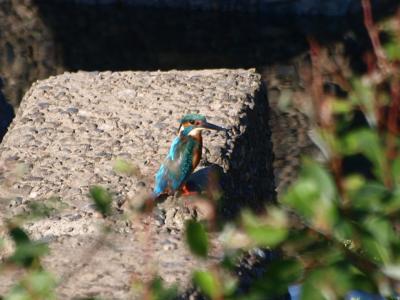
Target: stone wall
{"points": [[68, 133], [27, 49]]}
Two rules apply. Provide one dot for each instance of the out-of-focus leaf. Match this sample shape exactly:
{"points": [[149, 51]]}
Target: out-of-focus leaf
{"points": [[207, 283], [344, 232], [160, 292], [197, 238], [230, 284], [353, 183], [393, 202], [302, 197], [363, 95], [35, 285], [314, 196], [396, 171], [279, 275], [233, 238], [392, 50], [374, 250], [102, 199], [381, 229], [341, 106], [367, 142], [370, 196], [45, 208], [332, 282], [19, 236], [310, 291], [28, 253], [319, 174], [267, 236], [126, 167], [266, 231]]}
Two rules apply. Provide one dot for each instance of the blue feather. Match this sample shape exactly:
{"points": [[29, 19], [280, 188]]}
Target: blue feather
{"points": [[177, 166]]}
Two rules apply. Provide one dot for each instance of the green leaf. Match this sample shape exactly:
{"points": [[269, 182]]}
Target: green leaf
{"points": [[207, 283], [321, 177], [396, 171], [393, 50], [102, 199], [267, 231], [363, 95], [45, 208], [381, 229], [393, 202], [366, 142], [279, 275], [353, 183], [160, 292], [230, 284], [342, 106], [370, 197], [375, 250], [197, 238], [266, 236], [332, 282], [314, 196], [126, 167], [35, 285], [27, 254], [19, 236], [310, 291], [301, 196]]}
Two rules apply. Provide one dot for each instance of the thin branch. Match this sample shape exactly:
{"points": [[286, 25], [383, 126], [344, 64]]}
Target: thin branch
{"points": [[374, 36]]}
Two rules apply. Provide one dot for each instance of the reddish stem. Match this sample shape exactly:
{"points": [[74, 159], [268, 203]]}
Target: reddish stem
{"points": [[374, 35], [316, 84]]}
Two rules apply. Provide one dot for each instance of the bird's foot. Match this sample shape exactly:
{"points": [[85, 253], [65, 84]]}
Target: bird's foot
{"points": [[187, 192]]}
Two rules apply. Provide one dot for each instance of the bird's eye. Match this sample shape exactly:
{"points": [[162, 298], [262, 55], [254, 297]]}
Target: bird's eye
{"points": [[191, 122]]}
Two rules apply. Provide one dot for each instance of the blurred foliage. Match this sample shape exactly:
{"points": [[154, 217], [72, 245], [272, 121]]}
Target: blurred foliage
{"points": [[338, 225], [197, 238], [337, 230], [102, 199], [123, 166], [207, 283], [36, 283]]}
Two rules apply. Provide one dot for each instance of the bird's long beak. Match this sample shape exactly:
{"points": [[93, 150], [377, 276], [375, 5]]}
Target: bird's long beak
{"points": [[207, 125]]}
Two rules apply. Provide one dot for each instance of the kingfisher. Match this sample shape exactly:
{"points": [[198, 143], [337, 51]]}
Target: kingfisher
{"points": [[183, 157]]}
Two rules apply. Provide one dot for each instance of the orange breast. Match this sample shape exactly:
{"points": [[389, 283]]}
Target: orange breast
{"points": [[197, 152]]}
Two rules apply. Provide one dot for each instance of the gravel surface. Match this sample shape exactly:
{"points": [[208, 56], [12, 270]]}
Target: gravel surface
{"points": [[69, 132]]}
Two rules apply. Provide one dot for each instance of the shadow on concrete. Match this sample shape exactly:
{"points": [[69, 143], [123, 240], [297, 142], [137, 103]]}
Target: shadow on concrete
{"points": [[6, 113], [250, 174]]}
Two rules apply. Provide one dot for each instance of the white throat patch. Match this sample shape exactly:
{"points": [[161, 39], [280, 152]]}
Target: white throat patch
{"points": [[195, 131]]}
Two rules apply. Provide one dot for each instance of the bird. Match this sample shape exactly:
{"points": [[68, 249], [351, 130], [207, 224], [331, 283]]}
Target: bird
{"points": [[183, 157]]}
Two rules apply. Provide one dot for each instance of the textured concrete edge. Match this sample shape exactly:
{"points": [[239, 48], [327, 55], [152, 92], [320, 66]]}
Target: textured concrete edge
{"points": [[252, 150], [251, 181]]}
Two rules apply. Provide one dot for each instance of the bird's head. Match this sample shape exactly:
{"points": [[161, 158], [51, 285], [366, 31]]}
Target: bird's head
{"points": [[193, 124]]}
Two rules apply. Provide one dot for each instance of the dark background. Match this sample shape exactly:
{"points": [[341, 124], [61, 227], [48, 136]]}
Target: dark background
{"points": [[42, 38]]}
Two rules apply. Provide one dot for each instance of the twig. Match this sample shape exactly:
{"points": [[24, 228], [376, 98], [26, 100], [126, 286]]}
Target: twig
{"points": [[374, 36]]}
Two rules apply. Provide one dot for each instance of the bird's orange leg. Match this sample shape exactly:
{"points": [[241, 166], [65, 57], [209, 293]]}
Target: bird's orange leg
{"points": [[187, 192]]}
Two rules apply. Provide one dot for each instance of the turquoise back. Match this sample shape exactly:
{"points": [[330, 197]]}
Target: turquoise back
{"points": [[178, 164]]}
